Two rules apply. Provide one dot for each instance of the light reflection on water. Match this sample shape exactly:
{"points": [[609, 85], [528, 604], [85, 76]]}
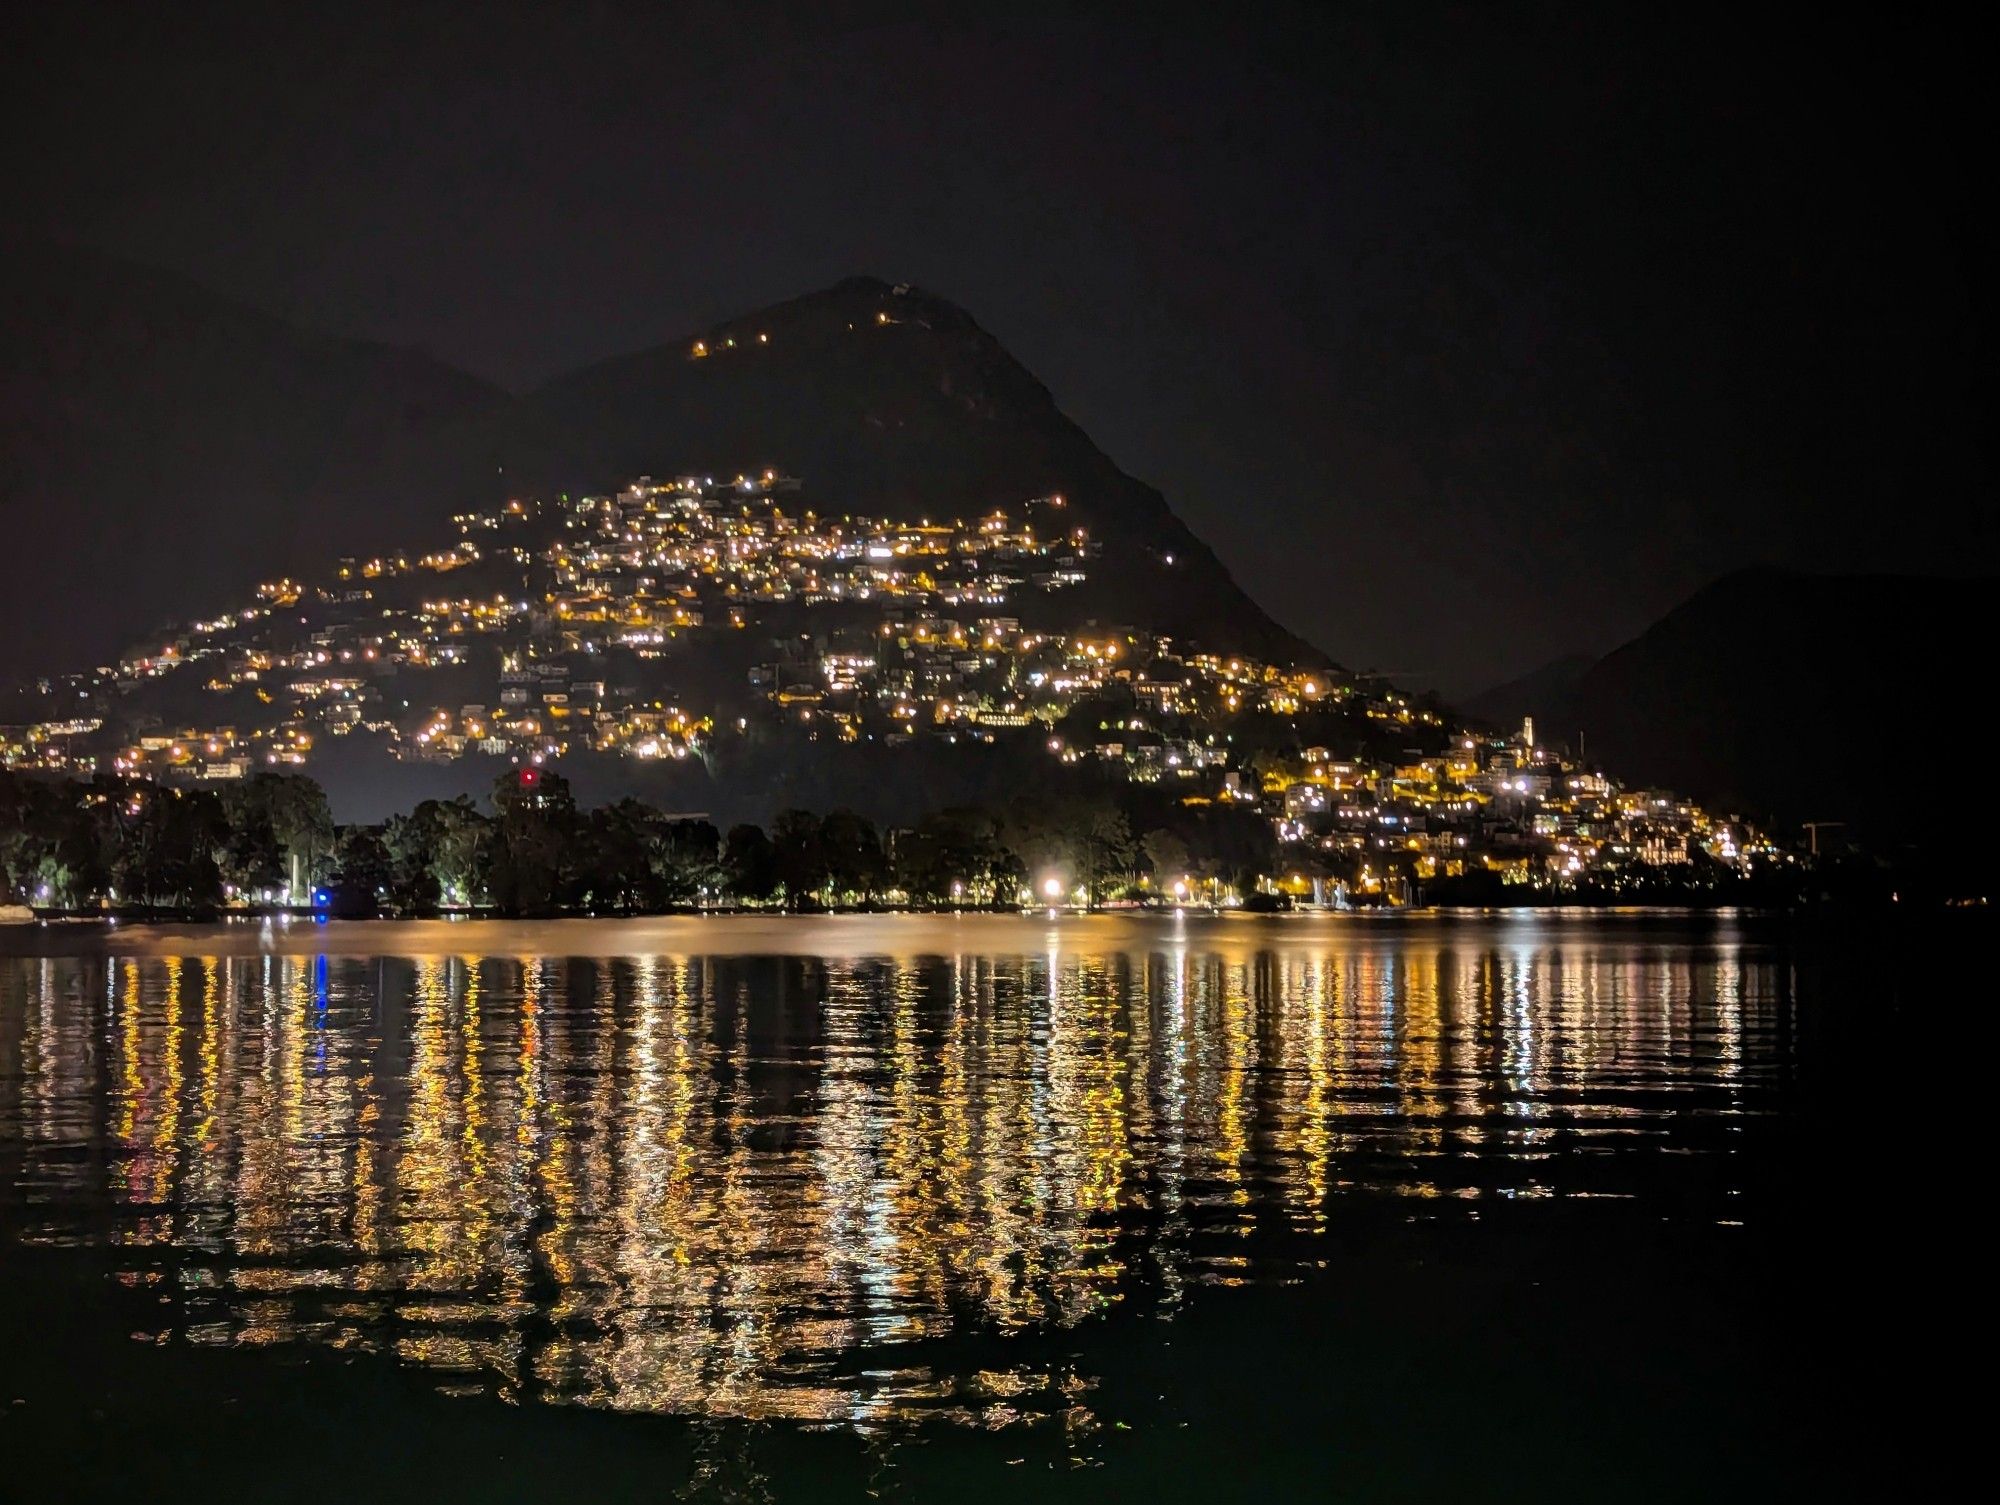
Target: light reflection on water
{"points": [[785, 1185]]}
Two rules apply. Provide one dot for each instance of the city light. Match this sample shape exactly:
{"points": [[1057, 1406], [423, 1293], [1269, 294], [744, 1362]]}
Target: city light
{"points": [[937, 653]]}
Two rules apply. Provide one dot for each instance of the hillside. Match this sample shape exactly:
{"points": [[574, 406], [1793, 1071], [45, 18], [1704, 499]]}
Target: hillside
{"points": [[161, 447], [1543, 692], [1781, 694], [842, 552], [896, 403]]}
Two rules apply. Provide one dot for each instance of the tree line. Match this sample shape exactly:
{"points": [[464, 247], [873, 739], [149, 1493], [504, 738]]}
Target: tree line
{"points": [[531, 849]]}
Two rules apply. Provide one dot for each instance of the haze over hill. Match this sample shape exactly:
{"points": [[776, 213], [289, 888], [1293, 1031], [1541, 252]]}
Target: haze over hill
{"points": [[202, 444], [161, 446]]}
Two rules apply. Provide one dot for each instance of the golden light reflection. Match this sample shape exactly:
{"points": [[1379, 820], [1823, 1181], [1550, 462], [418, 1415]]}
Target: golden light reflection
{"points": [[757, 1186]]}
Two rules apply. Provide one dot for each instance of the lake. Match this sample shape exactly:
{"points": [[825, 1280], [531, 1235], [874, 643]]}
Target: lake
{"points": [[1396, 1207]]}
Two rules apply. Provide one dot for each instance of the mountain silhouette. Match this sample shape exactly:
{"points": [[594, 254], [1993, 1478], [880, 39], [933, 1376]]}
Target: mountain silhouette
{"points": [[891, 402], [166, 447], [1784, 695], [162, 447]]}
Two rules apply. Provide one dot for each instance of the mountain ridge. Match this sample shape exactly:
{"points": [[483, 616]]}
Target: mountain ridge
{"points": [[1765, 691], [213, 440], [974, 430], [185, 430]]}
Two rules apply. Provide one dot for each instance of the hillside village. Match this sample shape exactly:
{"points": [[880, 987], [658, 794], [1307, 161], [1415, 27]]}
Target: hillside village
{"points": [[677, 620]]}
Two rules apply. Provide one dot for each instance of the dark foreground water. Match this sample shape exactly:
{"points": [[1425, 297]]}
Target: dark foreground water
{"points": [[1528, 1207]]}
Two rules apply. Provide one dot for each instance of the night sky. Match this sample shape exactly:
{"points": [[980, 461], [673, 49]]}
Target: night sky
{"points": [[1469, 336]]}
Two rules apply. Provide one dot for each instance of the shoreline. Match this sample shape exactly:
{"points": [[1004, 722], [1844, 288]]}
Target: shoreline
{"points": [[856, 936], [307, 917]]}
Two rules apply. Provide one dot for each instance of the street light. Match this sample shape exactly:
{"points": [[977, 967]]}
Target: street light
{"points": [[1053, 888]]}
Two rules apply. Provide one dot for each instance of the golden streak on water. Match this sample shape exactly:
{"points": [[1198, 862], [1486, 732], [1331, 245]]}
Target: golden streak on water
{"points": [[764, 1185]]}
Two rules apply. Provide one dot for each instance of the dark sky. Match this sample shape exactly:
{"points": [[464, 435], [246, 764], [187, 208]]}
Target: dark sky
{"points": [[1469, 336]]}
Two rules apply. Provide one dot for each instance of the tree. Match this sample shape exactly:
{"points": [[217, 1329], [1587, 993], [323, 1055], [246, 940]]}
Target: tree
{"points": [[361, 858], [1097, 718], [253, 859], [55, 848], [166, 842], [20, 839], [1168, 857], [1084, 837], [436, 853], [852, 852], [638, 859], [459, 851], [798, 857], [1271, 767], [1232, 846], [1036, 832], [290, 810], [619, 863], [749, 864], [534, 852], [362, 872], [955, 855], [686, 861], [1103, 838]]}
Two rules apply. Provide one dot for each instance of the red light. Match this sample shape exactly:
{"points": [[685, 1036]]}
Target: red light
{"points": [[527, 776]]}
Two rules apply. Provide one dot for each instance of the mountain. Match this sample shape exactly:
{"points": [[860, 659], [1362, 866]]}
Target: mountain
{"points": [[1781, 694], [161, 447], [1540, 691], [891, 402]]}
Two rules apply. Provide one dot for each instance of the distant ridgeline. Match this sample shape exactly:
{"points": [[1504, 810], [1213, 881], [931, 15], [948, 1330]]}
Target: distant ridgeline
{"points": [[717, 644]]}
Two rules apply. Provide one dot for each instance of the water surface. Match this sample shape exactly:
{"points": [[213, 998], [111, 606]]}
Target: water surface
{"points": [[952, 1185]]}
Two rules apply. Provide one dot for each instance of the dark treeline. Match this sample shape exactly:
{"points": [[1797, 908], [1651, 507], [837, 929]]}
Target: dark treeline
{"points": [[85, 845], [753, 772], [80, 844]]}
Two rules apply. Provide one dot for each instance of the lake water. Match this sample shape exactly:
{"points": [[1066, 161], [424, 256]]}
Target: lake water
{"points": [[911, 1207]]}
